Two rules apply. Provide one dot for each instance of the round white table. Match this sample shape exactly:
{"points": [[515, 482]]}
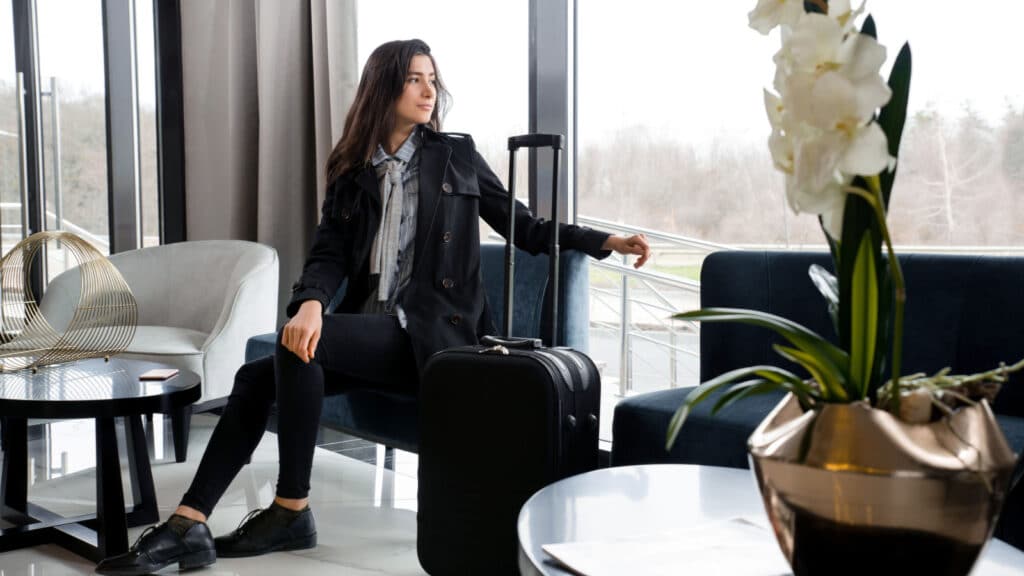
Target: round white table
{"points": [[634, 501]]}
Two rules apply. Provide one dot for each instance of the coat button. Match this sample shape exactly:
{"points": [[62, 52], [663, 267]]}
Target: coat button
{"points": [[446, 188], [346, 214], [447, 237], [447, 283], [455, 319]]}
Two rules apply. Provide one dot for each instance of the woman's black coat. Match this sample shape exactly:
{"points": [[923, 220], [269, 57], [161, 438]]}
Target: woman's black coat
{"points": [[444, 302]]}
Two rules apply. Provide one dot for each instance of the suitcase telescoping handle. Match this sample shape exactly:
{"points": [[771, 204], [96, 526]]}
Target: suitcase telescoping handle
{"points": [[554, 141]]}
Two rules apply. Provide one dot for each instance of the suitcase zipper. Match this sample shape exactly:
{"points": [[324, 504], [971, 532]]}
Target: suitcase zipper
{"points": [[587, 414], [565, 356], [558, 464]]}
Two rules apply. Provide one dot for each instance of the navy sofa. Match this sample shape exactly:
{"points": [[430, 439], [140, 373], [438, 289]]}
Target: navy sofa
{"points": [[962, 311], [391, 418]]}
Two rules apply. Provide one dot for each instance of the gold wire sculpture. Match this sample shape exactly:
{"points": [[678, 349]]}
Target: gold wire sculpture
{"points": [[104, 320]]}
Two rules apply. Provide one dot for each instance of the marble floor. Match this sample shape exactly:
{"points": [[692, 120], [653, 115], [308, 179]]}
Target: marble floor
{"points": [[366, 514]]}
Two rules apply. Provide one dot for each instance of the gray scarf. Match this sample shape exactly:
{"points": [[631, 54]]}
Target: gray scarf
{"points": [[384, 254]]}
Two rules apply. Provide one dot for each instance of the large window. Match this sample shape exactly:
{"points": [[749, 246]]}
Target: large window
{"points": [[961, 179], [672, 130], [73, 151], [76, 50], [672, 137], [10, 176], [671, 126], [145, 46], [72, 77]]}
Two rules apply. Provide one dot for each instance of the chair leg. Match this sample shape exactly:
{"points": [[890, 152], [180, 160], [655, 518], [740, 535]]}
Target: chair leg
{"points": [[181, 419]]}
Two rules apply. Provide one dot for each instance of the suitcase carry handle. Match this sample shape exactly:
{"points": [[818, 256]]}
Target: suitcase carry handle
{"points": [[535, 141], [554, 141], [514, 343]]}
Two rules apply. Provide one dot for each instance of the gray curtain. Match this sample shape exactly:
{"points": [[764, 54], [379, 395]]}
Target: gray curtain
{"points": [[267, 85]]}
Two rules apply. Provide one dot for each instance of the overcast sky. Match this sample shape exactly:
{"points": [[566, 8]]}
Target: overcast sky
{"points": [[684, 70]]}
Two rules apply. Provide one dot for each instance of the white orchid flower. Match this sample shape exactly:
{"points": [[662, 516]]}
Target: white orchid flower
{"points": [[816, 186], [781, 147], [840, 11], [818, 45], [779, 143], [829, 87], [773, 106], [832, 219], [867, 152], [816, 181], [860, 60], [771, 13]]}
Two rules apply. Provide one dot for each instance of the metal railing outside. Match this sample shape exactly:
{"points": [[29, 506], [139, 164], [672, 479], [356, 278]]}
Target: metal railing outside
{"points": [[615, 305], [101, 243], [654, 294]]}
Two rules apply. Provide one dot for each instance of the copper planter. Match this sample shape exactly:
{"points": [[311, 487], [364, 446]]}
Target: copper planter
{"points": [[853, 490]]}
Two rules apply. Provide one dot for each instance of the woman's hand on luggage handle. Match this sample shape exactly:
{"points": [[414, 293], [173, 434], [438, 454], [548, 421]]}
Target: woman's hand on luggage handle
{"points": [[302, 333], [636, 244]]}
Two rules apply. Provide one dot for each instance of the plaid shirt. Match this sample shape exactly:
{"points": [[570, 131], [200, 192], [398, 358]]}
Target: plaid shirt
{"points": [[408, 153]]}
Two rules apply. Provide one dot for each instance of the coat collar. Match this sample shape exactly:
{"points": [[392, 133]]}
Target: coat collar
{"points": [[434, 151]]}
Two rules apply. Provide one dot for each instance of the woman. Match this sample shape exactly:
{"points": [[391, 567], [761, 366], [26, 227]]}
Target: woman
{"points": [[400, 221]]}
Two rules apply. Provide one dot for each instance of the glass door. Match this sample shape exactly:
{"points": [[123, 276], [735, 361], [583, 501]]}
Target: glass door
{"points": [[72, 90], [12, 139]]}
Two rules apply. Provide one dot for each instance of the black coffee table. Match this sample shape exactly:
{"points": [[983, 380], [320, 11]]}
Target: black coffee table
{"points": [[98, 389]]}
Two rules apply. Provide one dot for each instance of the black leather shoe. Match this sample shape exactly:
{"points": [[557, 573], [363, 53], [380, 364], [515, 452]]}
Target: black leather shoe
{"points": [[268, 530], [159, 547]]}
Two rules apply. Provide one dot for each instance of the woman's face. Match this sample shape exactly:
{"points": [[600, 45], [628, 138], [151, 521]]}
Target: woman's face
{"points": [[416, 103]]}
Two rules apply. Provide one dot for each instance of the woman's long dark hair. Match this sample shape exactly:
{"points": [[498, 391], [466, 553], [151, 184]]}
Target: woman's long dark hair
{"points": [[371, 118]]}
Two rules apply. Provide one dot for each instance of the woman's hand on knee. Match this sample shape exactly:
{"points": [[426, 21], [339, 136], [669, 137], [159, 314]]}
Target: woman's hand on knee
{"points": [[302, 333]]}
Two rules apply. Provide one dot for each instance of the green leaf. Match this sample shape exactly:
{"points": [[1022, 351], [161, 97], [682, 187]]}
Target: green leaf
{"points": [[832, 382], [836, 359], [886, 296], [894, 114], [858, 217], [833, 245], [762, 386], [698, 395], [742, 390], [676, 424], [863, 316], [804, 392], [701, 393], [868, 28]]}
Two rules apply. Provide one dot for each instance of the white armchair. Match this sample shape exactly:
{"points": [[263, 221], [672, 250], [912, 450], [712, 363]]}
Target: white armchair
{"points": [[199, 302]]}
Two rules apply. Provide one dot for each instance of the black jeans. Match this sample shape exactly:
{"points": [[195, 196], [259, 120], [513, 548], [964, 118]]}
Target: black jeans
{"points": [[354, 350]]}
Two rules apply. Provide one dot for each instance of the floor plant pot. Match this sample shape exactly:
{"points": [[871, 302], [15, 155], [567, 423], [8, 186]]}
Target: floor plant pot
{"points": [[853, 490]]}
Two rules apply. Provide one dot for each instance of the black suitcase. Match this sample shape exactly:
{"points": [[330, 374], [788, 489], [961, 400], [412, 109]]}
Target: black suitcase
{"points": [[498, 422]]}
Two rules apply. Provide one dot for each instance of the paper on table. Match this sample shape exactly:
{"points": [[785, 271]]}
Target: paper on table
{"points": [[738, 547]]}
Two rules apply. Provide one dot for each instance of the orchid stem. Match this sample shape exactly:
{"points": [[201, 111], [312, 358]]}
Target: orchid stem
{"points": [[874, 199]]}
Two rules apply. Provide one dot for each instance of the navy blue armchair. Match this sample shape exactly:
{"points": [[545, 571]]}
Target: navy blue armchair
{"points": [[392, 418], [966, 312]]}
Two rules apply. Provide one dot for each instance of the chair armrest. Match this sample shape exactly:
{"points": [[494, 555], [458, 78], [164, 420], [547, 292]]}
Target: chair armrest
{"points": [[251, 310], [255, 298]]}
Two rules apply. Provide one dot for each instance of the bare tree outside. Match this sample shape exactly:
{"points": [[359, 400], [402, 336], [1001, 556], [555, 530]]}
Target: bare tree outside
{"points": [[84, 161]]}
